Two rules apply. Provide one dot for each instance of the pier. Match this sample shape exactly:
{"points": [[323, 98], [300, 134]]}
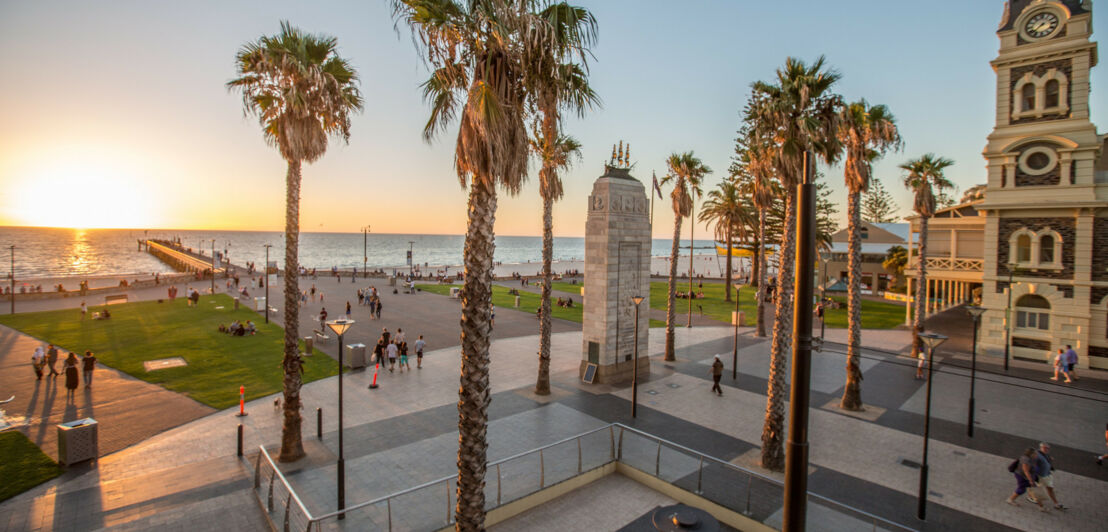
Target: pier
{"points": [[181, 260]]}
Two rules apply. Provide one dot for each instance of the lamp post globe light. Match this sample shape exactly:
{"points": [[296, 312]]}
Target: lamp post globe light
{"points": [[932, 340], [735, 343], [975, 312], [266, 266], [1008, 317], [637, 300], [339, 327]]}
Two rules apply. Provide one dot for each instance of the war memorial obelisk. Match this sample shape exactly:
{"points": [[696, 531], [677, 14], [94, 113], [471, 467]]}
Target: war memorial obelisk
{"points": [[617, 268]]}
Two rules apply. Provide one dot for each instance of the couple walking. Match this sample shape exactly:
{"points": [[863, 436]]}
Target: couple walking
{"points": [[1034, 469], [1066, 363], [42, 359]]}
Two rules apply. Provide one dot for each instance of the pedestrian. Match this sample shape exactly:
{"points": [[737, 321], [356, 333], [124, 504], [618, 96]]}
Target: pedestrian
{"points": [[404, 357], [84, 310], [1100, 459], [322, 316], [312, 292], [88, 364], [321, 297], [400, 337], [379, 351], [1059, 365], [420, 344], [1071, 362], [1024, 470], [1044, 467], [385, 334], [392, 351], [492, 317], [379, 305], [71, 377], [52, 360], [38, 361], [919, 365], [347, 310], [717, 374], [372, 306]]}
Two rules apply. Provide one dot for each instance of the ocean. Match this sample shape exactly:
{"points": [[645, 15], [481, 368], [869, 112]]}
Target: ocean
{"points": [[56, 252]]}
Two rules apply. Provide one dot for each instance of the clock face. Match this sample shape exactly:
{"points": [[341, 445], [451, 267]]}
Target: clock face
{"points": [[1041, 25]]}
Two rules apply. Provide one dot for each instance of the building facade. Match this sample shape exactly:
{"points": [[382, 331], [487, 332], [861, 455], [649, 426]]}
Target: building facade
{"points": [[1045, 210], [877, 239]]}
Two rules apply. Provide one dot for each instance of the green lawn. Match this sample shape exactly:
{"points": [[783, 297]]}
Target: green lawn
{"points": [[217, 363], [713, 303], [875, 314], [528, 301], [568, 288], [23, 465]]}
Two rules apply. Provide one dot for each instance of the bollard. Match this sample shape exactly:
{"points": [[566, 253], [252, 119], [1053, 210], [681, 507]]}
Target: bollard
{"points": [[240, 439], [319, 423], [242, 401], [373, 385]]}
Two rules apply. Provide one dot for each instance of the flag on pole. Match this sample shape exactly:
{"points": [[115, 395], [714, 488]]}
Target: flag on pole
{"points": [[657, 188]]}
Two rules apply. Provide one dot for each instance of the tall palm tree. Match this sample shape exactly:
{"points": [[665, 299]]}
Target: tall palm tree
{"points": [[556, 155], [762, 191], [924, 175], [302, 92], [685, 172], [723, 210], [866, 133], [477, 51], [556, 78], [797, 114]]}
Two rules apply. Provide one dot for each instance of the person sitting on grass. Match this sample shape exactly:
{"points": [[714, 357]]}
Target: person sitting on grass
{"points": [[223, 328], [251, 328]]}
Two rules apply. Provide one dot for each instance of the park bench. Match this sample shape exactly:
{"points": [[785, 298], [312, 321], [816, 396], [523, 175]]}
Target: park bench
{"points": [[118, 298]]}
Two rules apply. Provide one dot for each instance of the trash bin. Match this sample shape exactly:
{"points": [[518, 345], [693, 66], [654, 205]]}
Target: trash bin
{"points": [[236, 303], [455, 292], [355, 355], [308, 343], [78, 441], [259, 304], [517, 301]]}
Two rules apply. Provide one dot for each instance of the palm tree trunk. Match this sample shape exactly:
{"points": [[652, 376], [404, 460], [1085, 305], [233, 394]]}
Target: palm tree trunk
{"points": [[852, 393], [760, 269], [542, 387], [473, 391], [921, 289], [727, 290], [292, 449], [671, 306], [773, 432]]}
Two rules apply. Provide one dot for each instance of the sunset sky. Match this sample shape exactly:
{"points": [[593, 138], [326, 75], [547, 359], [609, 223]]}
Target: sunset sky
{"points": [[115, 114]]}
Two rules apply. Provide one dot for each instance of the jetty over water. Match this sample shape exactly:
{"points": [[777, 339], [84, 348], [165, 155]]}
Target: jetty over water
{"points": [[179, 259]]}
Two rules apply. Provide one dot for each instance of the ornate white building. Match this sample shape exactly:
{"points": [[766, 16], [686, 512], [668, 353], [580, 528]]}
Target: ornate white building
{"points": [[1045, 206]]}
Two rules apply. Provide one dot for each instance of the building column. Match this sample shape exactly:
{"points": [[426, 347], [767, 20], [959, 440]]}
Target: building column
{"points": [[953, 246], [927, 291], [908, 307]]}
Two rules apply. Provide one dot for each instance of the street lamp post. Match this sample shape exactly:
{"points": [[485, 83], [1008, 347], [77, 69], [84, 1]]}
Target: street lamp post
{"points": [[824, 256], [975, 312], [411, 259], [11, 295], [1008, 317], [635, 365], [735, 344], [365, 252], [932, 340], [213, 266], [266, 266], [339, 327]]}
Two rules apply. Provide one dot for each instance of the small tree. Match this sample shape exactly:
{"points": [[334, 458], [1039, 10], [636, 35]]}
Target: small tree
{"points": [[878, 205], [895, 261]]}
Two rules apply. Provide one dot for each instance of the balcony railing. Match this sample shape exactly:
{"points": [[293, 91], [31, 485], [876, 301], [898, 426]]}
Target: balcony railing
{"points": [[951, 264]]}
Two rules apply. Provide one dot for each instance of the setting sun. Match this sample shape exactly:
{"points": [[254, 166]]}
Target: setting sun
{"points": [[70, 196]]}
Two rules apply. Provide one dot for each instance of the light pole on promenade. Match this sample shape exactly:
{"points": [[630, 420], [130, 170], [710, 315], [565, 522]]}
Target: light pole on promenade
{"points": [[635, 365], [411, 259], [932, 340], [365, 252], [213, 266], [735, 346], [824, 256], [975, 312], [339, 327], [267, 246]]}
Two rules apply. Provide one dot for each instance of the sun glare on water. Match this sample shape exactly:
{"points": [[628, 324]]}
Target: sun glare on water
{"points": [[72, 197]]}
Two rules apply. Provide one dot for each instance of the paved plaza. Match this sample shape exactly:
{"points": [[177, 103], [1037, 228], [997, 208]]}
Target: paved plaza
{"points": [[404, 433]]}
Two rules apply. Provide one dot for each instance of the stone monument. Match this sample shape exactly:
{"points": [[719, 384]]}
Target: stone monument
{"points": [[617, 268]]}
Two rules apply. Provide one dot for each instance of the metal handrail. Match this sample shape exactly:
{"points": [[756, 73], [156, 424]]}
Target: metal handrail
{"points": [[285, 481]]}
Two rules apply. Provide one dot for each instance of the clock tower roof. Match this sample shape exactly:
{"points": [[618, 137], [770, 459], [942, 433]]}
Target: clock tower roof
{"points": [[1013, 8]]}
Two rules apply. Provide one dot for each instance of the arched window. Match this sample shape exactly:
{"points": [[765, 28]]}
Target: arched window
{"points": [[1053, 92], [1023, 248], [1028, 97], [1033, 312], [1046, 248]]}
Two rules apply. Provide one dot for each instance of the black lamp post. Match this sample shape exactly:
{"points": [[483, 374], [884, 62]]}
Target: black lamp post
{"points": [[932, 340], [1008, 317], [975, 312], [824, 256], [411, 259], [11, 296], [213, 266], [365, 252], [735, 344], [339, 327], [635, 365], [266, 266]]}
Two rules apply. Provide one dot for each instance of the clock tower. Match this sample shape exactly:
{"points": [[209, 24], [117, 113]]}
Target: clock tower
{"points": [[1045, 281]]}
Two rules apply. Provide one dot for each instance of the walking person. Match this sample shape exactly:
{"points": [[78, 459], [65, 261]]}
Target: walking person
{"points": [[52, 360], [322, 316], [1044, 467], [919, 365], [379, 305], [379, 351], [400, 337], [72, 379], [1071, 362], [392, 352], [372, 306], [88, 365], [1024, 470], [404, 357], [717, 374], [38, 361], [84, 311], [420, 344], [347, 310], [1059, 365]]}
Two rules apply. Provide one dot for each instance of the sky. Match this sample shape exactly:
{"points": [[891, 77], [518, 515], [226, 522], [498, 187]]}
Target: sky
{"points": [[115, 114]]}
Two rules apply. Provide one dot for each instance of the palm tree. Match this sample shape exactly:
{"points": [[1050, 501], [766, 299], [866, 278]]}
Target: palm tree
{"points": [[866, 133], [924, 175], [685, 172], [762, 192], [477, 51], [724, 209], [555, 80], [797, 114], [301, 92], [556, 156]]}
